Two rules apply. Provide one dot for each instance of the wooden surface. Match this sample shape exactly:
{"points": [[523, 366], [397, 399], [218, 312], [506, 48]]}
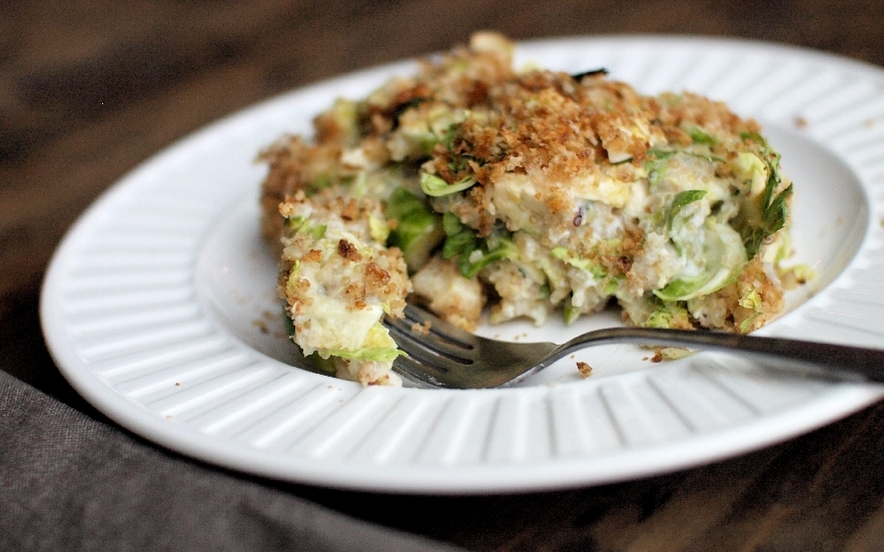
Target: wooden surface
{"points": [[90, 89]]}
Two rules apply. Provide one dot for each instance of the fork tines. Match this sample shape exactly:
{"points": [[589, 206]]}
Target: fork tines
{"points": [[431, 344]]}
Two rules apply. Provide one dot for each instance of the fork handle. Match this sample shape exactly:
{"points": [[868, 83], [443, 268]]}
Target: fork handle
{"points": [[824, 359]]}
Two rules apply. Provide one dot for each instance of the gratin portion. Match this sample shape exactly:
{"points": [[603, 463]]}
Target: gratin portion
{"points": [[471, 184]]}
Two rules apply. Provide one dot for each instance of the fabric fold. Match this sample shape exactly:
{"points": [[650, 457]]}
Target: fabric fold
{"points": [[68, 482]]}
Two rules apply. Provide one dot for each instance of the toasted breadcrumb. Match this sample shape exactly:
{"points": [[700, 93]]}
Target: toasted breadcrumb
{"points": [[584, 369]]}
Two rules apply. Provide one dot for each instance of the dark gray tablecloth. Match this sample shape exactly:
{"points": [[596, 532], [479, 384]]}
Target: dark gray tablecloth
{"points": [[68, 482]]}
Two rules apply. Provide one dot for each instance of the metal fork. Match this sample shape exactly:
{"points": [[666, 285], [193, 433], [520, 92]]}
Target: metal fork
{"points": [[441, 355]]}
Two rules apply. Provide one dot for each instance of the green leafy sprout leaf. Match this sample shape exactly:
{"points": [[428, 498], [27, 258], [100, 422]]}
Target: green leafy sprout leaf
{"points": [[774, 205], [472, 252], [700, 136], [680, 200], [436, 186]]}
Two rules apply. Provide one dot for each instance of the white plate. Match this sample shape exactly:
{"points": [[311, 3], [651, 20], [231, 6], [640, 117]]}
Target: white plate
{"points": [[159, 306]]}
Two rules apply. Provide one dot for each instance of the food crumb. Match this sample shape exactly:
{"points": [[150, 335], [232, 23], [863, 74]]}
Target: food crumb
{"points": [[261, 325], [800, 122], [584, 369], [421, 329], [669, 353], [177, 384], [870, 123]]}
